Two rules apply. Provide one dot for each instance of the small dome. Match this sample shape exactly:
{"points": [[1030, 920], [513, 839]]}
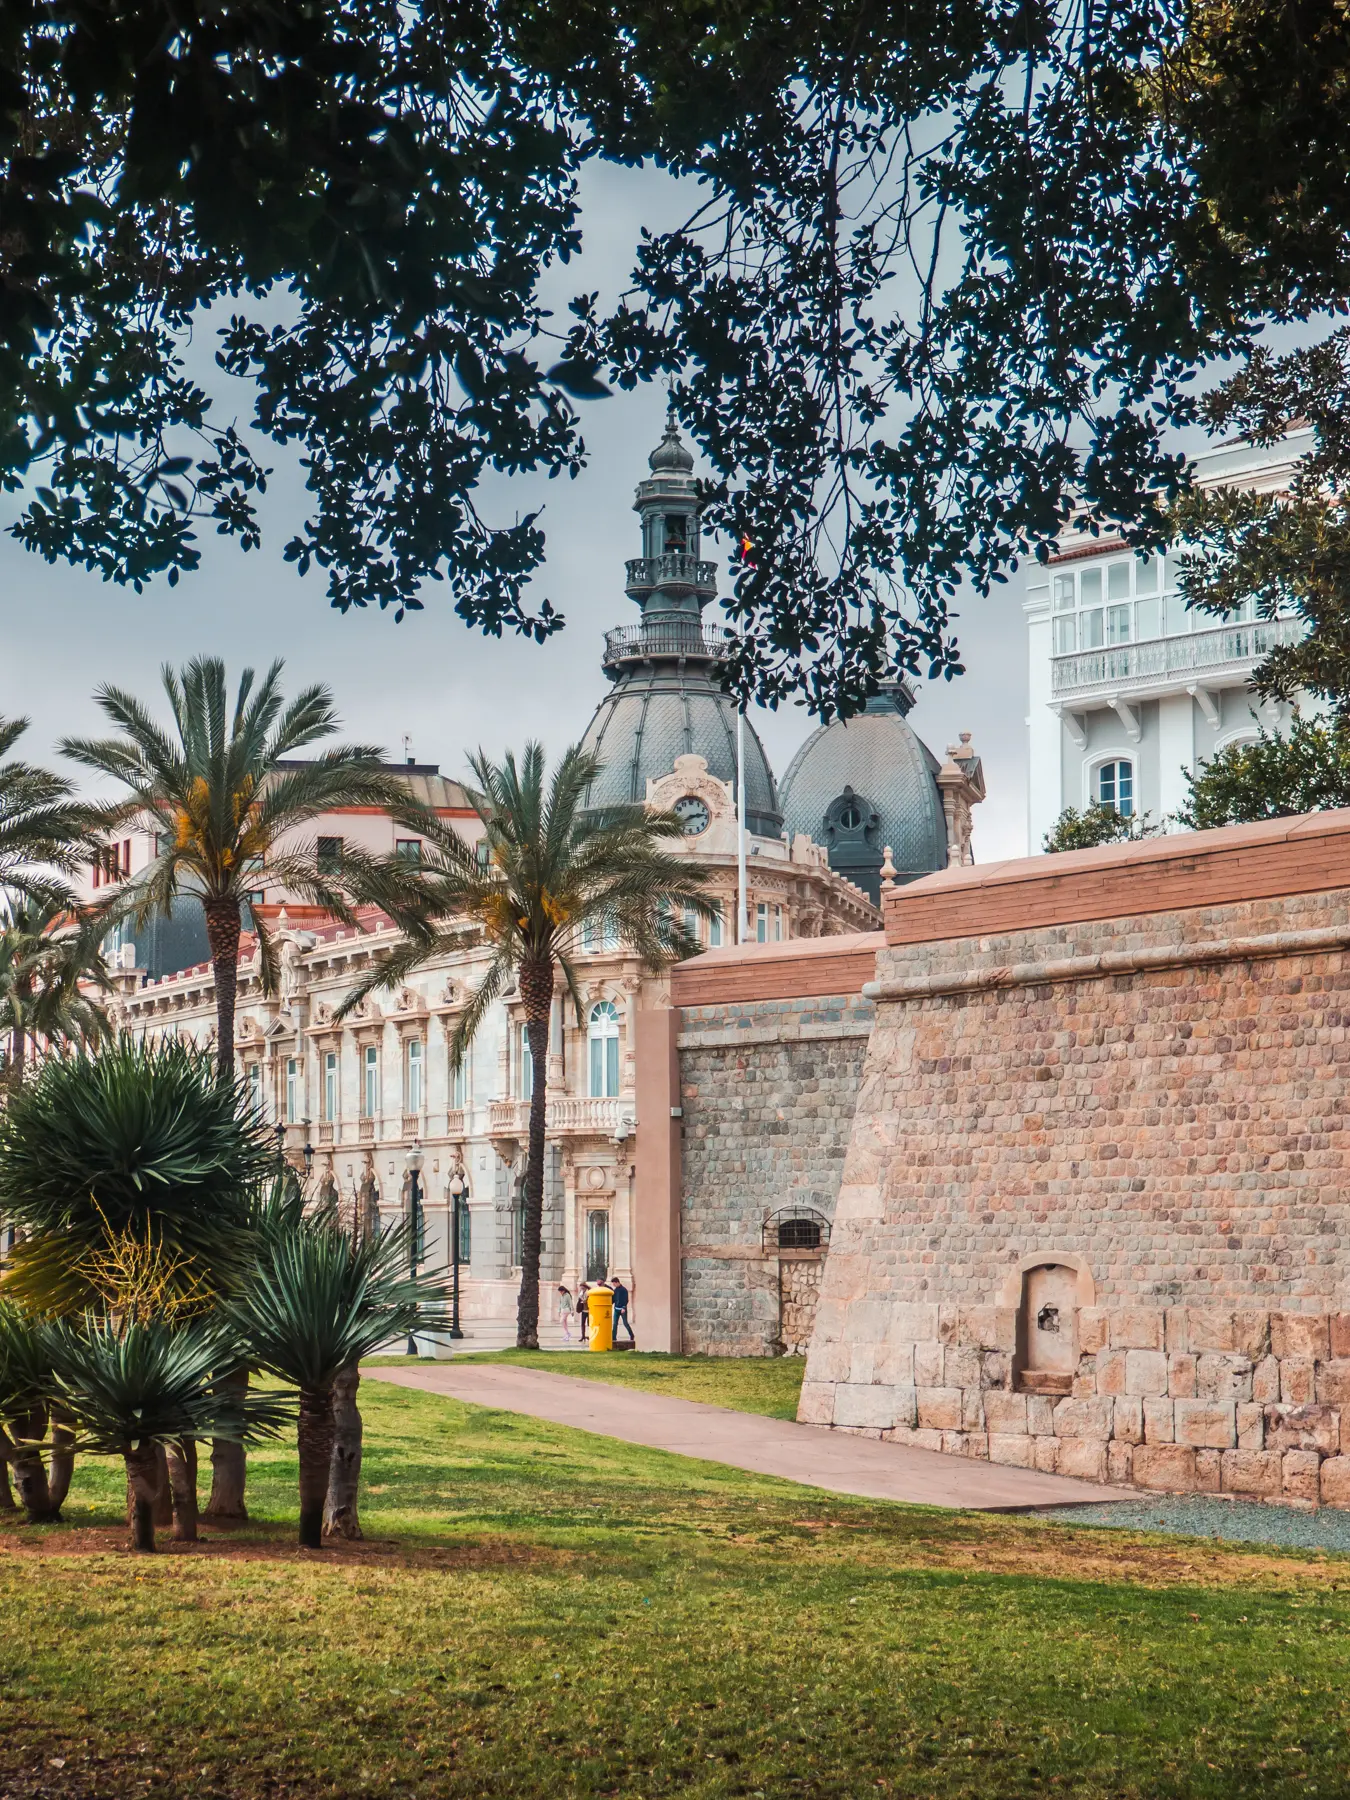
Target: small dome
{"points": [[663, 710], [670, 456], [858, 785]]}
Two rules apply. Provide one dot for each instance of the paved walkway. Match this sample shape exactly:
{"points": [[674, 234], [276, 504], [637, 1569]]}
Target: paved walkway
{"points": [[804, 1453]]}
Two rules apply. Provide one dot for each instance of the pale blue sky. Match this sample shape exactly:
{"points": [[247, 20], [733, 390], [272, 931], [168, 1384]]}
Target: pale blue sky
{"points": [[62, 631]]}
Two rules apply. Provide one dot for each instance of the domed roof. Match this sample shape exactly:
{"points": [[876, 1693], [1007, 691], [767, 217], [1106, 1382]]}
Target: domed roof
{"points": [[858, 785], [671, 455], [661, 710]]}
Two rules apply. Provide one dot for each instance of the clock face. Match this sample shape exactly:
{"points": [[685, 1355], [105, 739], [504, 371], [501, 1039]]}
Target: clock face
{"points": [[692, 814]]}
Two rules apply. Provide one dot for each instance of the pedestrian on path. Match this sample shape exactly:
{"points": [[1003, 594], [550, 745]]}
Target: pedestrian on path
{"points": [[565, 1310], [621, 1310], [583, 1314]]}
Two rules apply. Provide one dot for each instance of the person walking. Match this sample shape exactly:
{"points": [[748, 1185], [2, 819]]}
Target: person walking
{"points": [[583, 1313], [565, 1310], [621, 1310]]}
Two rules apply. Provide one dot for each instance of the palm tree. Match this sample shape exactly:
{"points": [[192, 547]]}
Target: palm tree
{"points": [[222, 792], [49, 958], [546, 870], [45, 833], [134, 1385], [26, 1392], [318, 1301]]}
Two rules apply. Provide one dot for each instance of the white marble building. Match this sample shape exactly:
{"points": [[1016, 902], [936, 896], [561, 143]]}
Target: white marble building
{"points": [[1127, 687]]}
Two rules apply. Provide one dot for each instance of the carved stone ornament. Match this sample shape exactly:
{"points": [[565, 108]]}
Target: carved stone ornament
{"points": [[323, 1013], [690, 779]]}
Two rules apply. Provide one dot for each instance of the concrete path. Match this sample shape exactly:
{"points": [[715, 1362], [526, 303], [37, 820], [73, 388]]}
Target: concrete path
{"points": [[809, 1454]]}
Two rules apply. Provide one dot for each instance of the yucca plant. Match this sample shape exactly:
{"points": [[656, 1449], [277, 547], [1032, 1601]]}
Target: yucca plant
{"points": [[138, 1135], [133, 1385], [547, 870], [227, 798], [144, 1142], [27, 1390], [316, 1303]]}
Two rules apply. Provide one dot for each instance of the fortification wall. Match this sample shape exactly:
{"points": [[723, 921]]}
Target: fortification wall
{"points": [[1093, 1211]]}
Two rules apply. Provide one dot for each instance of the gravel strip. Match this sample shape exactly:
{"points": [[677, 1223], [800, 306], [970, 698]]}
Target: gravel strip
{"points": [[1199, 1515]]}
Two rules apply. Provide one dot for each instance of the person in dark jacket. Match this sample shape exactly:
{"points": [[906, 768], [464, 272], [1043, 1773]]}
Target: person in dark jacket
{"points": [[621, 1310]]}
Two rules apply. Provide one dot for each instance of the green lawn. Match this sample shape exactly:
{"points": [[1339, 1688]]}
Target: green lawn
{"points": [[758, 1384], [543, 1614]]}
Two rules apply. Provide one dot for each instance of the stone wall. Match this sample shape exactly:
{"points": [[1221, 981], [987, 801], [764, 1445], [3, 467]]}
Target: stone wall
{"points": [[767, 1092], [1144, 1111]]}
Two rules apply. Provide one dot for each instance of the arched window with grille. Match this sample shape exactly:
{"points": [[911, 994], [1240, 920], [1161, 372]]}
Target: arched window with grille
{"points": [[603, 1033]]}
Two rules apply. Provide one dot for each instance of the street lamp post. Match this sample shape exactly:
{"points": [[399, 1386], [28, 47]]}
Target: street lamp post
{"points": [[413, 1162], [308, 1154], [280, 1129], [458, 1188]]}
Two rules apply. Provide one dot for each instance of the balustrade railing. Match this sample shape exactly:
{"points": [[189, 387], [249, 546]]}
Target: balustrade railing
{"points": [[1228, 649], [638, 643], [675, 569]]}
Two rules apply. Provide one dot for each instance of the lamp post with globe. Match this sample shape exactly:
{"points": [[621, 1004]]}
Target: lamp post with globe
{"points": [[413, 1163]]}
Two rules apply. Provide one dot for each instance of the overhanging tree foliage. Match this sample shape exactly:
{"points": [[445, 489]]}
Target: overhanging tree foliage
{"points": [[950, 267]]}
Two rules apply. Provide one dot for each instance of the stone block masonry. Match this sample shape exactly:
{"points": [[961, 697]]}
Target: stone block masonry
{"points": [[1095, 1196]]}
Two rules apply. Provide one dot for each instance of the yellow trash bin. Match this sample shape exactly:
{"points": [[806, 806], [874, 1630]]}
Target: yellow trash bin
{"points": [[600, 1306]]}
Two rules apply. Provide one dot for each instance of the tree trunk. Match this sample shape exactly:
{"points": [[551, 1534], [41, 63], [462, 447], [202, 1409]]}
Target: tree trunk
{"points": [[344, 1472], [17, 1049], [163, 1502], [536, 992], [143, 1487], [315, 1440], [63, 1455], [222, 934], [183, 1486], [24, 1453], [229, 1465], [7, 1502]]}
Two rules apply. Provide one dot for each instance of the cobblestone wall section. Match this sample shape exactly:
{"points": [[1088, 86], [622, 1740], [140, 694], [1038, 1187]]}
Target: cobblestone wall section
{"points": [[767, 1090]]}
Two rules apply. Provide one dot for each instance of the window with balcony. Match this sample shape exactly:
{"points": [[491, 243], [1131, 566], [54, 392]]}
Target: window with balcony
{"points": [[331, 1086], [370, 1082], [1116, 603], [1115, 787], [603, 1034], [414, 1077]]}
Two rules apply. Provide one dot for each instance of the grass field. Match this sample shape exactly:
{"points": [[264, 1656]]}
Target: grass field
{"points": [[537, 1613], [759, 1384]]}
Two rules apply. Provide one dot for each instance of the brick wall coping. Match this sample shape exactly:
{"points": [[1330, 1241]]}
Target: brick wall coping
{"points": [[797, 969], [1307, 854], [1113, 962]]}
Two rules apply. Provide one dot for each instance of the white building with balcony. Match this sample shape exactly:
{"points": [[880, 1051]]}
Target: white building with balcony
{"points": [[1129, 689]]}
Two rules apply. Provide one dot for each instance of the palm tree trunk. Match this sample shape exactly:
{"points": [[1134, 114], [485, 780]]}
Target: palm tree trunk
{"points": [[222, 934], [344, 1473], [536, 991], [315, 1442], [7, 1501], [143, 1488], [183, 1486], [63, 1456], [229, 1466], [18, 1045], [30, 1472]]}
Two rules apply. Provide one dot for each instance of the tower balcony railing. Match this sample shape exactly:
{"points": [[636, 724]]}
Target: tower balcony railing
{"points": [[640, 643], [1158, 663], [674, 569]]}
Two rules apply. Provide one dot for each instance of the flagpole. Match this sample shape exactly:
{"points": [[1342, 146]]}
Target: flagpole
{"points": [[740, 827]]}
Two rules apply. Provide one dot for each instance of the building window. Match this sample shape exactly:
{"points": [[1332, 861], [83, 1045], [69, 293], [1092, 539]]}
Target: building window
{"points": [[777, 924], [370, 1085], [762, 922], [293, 1095], [691, 923], [1115, 787], [330, 1086], [254, 1080], [408, 850], [715, 928], [1116, 603], [600, 934], [603, 1032], [597, 1245], [328, 855], [414, 1080], [526, 1064], [463, 1085]]}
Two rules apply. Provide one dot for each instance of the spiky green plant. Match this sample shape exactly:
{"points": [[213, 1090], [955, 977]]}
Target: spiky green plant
{"points": [[27, 1386], [138, 1137], [316, 1303], [548, 868], [51, 964], [227, 801], [133, 1385]]}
